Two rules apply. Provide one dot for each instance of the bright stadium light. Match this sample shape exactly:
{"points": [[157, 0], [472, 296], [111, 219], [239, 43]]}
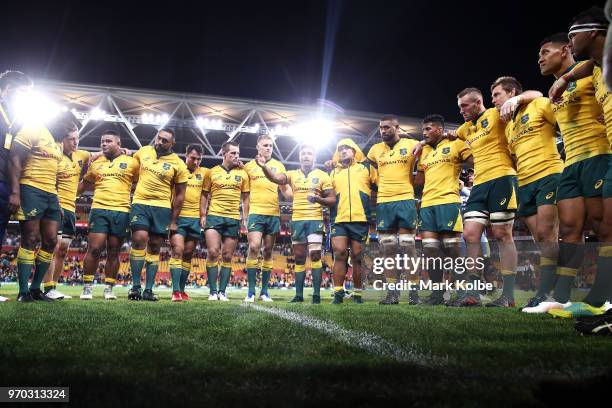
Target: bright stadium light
{"points": [[97, 114], [34, 107], [318, 131]]}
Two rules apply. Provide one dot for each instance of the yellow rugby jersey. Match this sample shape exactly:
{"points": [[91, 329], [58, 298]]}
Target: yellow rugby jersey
{"points": [[157, 176], [442, 166], [264, 193], [226, 188], [353, 186], [301, 184], [577, 116], [68, 176], [193, 193], [40, 170], [531, 138], [487, 139], [602, 94], [112, 180], [394, 167]]}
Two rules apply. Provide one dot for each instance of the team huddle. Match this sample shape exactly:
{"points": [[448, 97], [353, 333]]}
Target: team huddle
{"points": [[154, 195]]}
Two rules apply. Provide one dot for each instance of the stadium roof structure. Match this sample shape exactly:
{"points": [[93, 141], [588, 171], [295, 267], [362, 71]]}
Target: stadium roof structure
{"points": [[213, 120]]}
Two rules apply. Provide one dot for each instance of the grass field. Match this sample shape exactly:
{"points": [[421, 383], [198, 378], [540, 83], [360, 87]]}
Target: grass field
{"points": [[201, 354]]}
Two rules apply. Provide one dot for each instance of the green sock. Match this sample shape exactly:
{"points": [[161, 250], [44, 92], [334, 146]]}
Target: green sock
{"points": [[300, 277], [548, 268], [25, 262], [184, 277], [212, 271], [226, 273], [317, 277], [175, 272], [151, 267], [137, 261], [508, 278], [252, 275], [570, 258], [265, 280], [43, 260], [601, 291]]}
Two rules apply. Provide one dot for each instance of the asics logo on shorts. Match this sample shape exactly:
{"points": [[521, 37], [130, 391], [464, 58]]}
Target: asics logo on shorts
{"points": [[550, 195], [502, 202], [598, 183], [450, 224]]}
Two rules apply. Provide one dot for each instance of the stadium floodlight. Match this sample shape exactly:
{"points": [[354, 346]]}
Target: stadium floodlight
{"points": [[97, 114], [318, 131], [35, 107], [209, 124], [157, 120]]}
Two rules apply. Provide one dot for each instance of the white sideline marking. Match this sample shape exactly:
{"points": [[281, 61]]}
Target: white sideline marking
{"points": [[366, 341]]}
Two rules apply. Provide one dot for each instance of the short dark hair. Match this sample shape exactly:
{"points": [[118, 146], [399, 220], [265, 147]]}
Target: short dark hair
{"points": [[196, 147], [389, 117], [557, 38], [508, 83], [15, 78], [468, 91], [167, 130], [226, 146], [593, 15], [111, 132], [434, 118]]}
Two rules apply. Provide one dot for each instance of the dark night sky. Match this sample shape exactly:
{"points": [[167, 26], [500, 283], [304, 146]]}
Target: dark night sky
{"points": [[404, 57]]}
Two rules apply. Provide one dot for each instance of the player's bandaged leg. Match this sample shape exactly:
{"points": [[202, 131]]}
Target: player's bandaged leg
{"points": [[388, 246], [151, 267], [266, 271], [175, 272], [43, 260], [185, 271], [225, 275], [571, 255], [433, 262], [25, 263], [252, 265], [300, 277], [601, 291], [212, 271], [137, 261], [316, 266]]}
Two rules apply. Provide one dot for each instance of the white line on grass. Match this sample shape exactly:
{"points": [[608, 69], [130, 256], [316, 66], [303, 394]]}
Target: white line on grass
{"points": [[366, 341]]}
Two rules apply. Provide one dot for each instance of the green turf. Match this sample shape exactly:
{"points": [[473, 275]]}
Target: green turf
{"points": [[201, 353]]}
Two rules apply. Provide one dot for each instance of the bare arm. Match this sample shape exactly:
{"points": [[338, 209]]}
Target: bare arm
{"points": [[560, 85], [177, 204], [286, 191], [19, 155], [280, 179], [419, 180], [84, 185], [246, 201], [203, 208], [512, 104], [327, 198]]}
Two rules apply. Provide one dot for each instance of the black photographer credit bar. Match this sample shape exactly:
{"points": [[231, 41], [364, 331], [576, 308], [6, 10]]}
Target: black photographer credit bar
{"points": [[34, 394]]}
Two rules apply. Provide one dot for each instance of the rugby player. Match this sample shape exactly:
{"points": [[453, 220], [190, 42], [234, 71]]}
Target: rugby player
{"points": [[12, 85], [157, 202], [396, 215], [264, 218], [312, 189], [531, 137], [587, 37], [189, 230], [69, 174], [493, 196], [225, 188], [440, 215], [35, 158], [111, 177], [579, 195], [353, 180]]}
